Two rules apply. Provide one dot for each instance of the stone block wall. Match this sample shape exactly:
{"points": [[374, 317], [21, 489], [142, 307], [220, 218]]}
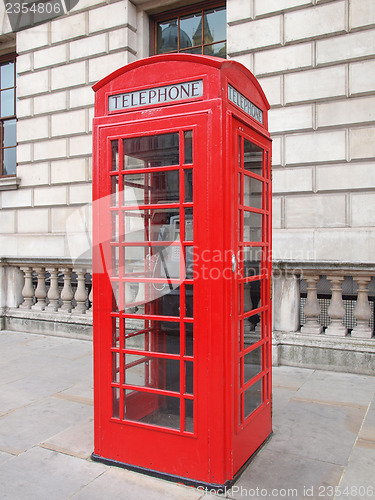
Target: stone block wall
{"points": [[57, 64], [315, 62]]}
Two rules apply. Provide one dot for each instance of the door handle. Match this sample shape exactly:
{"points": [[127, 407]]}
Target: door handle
{"points": [[234, 263]]}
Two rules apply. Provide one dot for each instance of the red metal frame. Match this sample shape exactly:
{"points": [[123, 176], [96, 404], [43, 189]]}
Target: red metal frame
{"points": [[221, 439]]}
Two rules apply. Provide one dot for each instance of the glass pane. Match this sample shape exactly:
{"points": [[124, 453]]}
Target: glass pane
{"points": [[147, 371], [251, 296], [10, 161], [152, 225], [152, 262], [114, 157], [252, 330], [10, 138], [151, 151], [253, 398], [189, 235], [189, 338], [189, 415], [115, 367], [252, 227], [167, 34], [253, 156], [114, 191], [252, 364], [251, 257], [115, 261], [252, 196], [195, 50], [152, 299], [7, 103], [189, 301], [216, 49], [188, 185], [189, 377], [115, 296], [115, 332], [188, 145], [151, 188], [115, 402], [190, 30], [115, 228], [215, 25], [7, 75], [156, 336], [154, 409], [189, 262]]}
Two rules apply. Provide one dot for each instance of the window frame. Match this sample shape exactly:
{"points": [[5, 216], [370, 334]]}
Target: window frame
{"points": [[181, 12], [6, 58]]}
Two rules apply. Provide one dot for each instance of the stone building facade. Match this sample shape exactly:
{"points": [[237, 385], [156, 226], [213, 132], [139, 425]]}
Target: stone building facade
{"points": [[315, 60]]}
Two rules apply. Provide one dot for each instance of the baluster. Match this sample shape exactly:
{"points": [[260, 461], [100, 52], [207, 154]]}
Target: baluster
{"points": [[336, 309], [312, 306], [67, 291], [89, 310], [28, 289], [81, 292], [362, 311], [53, 292], [41, 289]]}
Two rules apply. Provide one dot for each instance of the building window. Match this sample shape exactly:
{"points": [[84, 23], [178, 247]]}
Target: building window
{"points": [[201, 29], [8, 117]]}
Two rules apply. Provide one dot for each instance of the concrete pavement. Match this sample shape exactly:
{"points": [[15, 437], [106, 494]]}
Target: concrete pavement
{"points": [[323, 444]]}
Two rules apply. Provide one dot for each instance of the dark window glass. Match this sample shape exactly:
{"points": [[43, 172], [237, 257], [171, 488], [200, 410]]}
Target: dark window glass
{"points": [[151, 151], [8, 140], [200, 31]]}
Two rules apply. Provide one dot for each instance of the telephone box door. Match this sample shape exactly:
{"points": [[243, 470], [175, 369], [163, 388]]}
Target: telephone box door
{"points": [[252, 294], [151, 348]]}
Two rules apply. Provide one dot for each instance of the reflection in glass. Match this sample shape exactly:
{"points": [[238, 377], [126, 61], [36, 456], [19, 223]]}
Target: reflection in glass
{"points": [[253, 397], [188, 145], [167, 35], [191, 30], [10, 138], [151, 151], [165, 409], [114, 191], [115, 296], [188, 185], [252, 364], [114, 157], [10, 161], [215, 25], [151, 188], [216, 49], [148, 371], [252, 196], [154, 336], [7, 104], [160, 299], [252, 227], [195, 50], [253, 158], [7, 75], [251, 296]]}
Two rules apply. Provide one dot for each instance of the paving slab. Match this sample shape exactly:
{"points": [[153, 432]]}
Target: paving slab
{"points": [[358, 482], [123, 484], [289, 377], [77, 440], [280, 398], [367, 431], [284, 475], [28, 426], [336, 387], [317, 431], [5, 456], [41, 474]]}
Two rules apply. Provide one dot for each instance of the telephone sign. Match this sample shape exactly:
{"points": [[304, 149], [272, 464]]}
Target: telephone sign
{"points": [[181, 268]]}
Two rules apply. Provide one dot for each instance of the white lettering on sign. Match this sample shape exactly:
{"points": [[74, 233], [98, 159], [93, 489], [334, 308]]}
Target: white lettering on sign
{"points": [[242, 102], [156, 95]]}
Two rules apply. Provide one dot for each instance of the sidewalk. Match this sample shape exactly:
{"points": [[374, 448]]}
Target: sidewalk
{"points": [[324, 433]]}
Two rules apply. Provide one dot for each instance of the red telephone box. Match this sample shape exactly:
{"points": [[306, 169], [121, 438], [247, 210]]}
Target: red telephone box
{"points": [[182, 267]]}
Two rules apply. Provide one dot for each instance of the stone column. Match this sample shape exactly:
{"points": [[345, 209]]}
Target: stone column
{"points": [[67, 292], [312, 306], [362, 311], [28, 289], [336, 309], [53, 292], [81, 292], [286, 298], [41, 290]]}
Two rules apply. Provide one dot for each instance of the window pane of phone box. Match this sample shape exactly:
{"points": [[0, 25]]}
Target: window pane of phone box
{"points": [[156, 299], [156, 262], [252, 364], [252, 227], [148, 371], [253, 397], [150, 335], [151, 188], [151, 151], [152, 225], [251, 296], [150, 408], [253, 156]]}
